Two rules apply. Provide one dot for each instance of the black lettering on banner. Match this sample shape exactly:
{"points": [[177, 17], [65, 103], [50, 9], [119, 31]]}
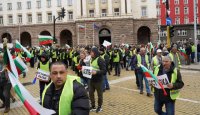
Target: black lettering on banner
{"points": [[87, 71]]}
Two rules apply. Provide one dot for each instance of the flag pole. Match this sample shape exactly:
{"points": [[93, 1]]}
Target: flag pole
{"points": [[93, 35], [78, 36], [85, 34]]}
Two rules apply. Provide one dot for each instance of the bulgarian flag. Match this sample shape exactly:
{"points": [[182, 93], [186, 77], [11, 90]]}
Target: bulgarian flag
{"points": [[18, 46], [44, 40], [149, 74], [27, 99], [20, 65], [182, 52]]}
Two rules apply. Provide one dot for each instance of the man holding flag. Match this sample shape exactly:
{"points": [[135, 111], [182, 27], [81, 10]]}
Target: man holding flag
{"points": [[173, 91]]}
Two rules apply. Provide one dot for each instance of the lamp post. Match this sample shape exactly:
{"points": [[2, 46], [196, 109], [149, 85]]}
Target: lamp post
{"points": [[61, 15], [195, 28]]}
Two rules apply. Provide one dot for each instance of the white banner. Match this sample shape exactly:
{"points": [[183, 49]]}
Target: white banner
{"points": [[163, 79], [87, 71], [42, 75]]}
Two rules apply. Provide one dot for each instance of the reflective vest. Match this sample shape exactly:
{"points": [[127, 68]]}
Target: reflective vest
{"points": [[110, 52], [193, 48], [174, 94], [103, 56], [66, 96], [75, 59], [41, 51], [172, 57], [70, 54], [54, 54], [116, 59], [155, 62], [94, 64], [139, 60], [44, 67], [32, 55]]}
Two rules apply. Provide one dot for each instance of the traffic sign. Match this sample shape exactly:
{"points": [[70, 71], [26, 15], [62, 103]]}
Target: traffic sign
{"points": [[168, 21]]}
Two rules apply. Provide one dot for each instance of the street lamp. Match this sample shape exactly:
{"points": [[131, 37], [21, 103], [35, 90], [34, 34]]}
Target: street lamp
{"points": [[61, 15]]}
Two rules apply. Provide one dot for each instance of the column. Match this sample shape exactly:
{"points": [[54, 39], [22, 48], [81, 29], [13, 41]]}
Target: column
{"points": [[78, 8], [97, 13], [110, 8], [84, 8], [129, 7], [123, 7]]}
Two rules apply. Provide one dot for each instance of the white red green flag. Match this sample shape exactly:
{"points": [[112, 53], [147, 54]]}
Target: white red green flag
{"points": [[27, 99], [18, 46], [44, 40], [20, 65]]}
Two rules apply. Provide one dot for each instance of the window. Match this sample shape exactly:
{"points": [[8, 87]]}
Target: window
{"points": [[59, 3], [49, 17], [9, 6], [1, 7], [10, 19], [177, 20], [197, 11], [116, 11], [29, 18], [144, 11], [185, 1], [69, 2], [39, 4], [176, 1], [39, 18], [48, 3], [186, 20], [185, 10], [60, 18], [104, 12], [182, 32], [19, 19], [158, 11], [177, 10], [1, 20], [19, 5], [163, 33], [28, 4], [70, 15], [198, 31], [91, 13], [158, 2], [91, 1], [103, 1]]}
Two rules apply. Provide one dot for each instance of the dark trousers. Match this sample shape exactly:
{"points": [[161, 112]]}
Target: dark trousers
{"points": [[70, 61], [32, 62], [42, 86], [188, 60], [137, 80], [117, 68], [5, 94], [96, 86], [192, 57]]}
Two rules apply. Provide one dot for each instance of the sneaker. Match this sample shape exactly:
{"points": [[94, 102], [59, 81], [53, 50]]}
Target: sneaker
{"points": [[92, 108], [99, 109]]}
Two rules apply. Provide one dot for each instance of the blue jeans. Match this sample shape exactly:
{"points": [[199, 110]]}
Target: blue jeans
{"points": [[141, 77], [198, 56], [169, 106], [105, 82]]}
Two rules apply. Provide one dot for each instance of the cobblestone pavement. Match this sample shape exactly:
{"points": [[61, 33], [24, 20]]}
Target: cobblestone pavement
{"points": [[124, 98]]}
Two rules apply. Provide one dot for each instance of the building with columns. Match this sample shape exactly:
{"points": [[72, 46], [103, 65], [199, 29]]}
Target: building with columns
{"points": [[85, 22]]}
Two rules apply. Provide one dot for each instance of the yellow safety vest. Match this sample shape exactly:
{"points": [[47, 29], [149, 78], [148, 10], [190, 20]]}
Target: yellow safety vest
{"points": [[116, 59], [94, 64], [66, 95], [174, 94], [172, 57], [155, 62], [193, 48], [54, 54], [139, 59], [44, 67]]}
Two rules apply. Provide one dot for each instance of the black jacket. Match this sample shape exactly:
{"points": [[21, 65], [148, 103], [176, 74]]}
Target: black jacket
{"points": [[178, 85], [80, 102]]}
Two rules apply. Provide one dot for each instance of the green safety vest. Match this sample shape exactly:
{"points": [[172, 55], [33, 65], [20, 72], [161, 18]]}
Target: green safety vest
{"points": [[75, 59], [103, 56], [116, 59], [94, 64], [44, 67], [155, 62], [70, 54], [172, 57], [66, 95], [193, 48], [174, 94], [110, 52], [139, 59], [54, 54], [41, 51], [32, 55]]}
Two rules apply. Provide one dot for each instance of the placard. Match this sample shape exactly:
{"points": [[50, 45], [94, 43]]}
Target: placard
{"points": [[163, 79], [87, 71], [42, 75]]}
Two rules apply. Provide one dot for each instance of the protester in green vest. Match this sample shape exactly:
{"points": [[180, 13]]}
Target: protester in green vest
{"points": [[44, 65], [156, 60], [98, 70], [175, 56], [193, 52], [117, 57], [53, 55], [174, 76], [65, 94]]}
